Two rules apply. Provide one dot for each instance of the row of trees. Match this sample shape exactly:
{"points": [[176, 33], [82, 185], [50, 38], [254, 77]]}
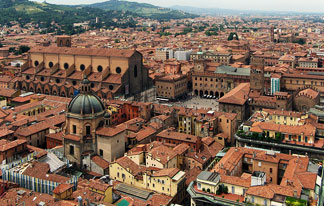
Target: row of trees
{"points": [[261, 136], [20, 50]]}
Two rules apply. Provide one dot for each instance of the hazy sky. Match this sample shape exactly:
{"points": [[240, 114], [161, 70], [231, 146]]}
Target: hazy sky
{"points": [[277, 5]]}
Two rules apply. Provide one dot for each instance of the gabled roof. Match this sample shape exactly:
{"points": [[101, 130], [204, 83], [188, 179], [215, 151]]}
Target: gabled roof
{"points": [[239, 95], [100, 162]]}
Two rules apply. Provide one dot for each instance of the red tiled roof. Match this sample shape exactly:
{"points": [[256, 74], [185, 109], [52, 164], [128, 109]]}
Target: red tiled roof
{"points": [[7, 92], [72, 137], [62, 188], [57, 136], [170, 134], [83, 51], [110, 131], [126, 162], [6, 145], [100, 162], [170, 172], [238, 95]]}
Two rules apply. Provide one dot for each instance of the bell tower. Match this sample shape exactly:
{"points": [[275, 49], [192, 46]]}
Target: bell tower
{"points": [[63, 41]]}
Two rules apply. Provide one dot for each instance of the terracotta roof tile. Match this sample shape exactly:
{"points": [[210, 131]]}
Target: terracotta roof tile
{"points": [[238, 95], [100, 162], [62, 188], [83, 51]]}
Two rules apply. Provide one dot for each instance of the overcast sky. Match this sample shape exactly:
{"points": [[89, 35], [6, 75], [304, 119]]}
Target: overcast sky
{"points": [[274, 5]]}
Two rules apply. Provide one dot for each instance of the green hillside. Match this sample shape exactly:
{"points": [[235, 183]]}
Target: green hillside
{"points": [[143, 9], [44, 14]]}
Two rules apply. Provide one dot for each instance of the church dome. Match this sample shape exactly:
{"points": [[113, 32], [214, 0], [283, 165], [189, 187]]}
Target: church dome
{"points": [[86, 103]]}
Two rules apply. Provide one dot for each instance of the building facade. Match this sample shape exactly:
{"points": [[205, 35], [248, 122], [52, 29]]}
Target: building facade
{"points": [[59, 71]]}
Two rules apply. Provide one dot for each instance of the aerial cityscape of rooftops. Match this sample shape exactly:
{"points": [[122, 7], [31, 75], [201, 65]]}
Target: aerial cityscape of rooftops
{"points": [[133, 104]]}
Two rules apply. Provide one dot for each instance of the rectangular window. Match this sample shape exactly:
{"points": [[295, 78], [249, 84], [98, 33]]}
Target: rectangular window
{"points": [[306, 139], [71, 150], [74, 129], [270, 170], [252, 199], [88, 130], [265, 202], [299, 138], [101, 152]]}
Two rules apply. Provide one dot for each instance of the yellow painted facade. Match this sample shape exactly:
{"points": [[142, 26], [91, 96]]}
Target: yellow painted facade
{"points": [[258, 200], [207, 186], [162, 184], [137, 158], [152, 162], [105, 62], [286, 120], [107, 194]]}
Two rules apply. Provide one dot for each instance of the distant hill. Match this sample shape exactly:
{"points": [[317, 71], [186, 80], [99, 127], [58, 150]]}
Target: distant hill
{"points": [[143, 9], [225, 12], [44, 14], [206, 11]]}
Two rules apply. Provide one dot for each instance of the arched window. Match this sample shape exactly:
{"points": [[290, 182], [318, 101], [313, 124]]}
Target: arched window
{"points": [[42, 79], [74, 82], [50, 64], [57, 80], [82, 67], [135, 71], [66, 66], [27, 77], [111, 87], [118, 70], [36, 63]]}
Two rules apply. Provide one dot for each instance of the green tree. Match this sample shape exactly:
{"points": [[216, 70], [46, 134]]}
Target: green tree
{"points": [[255, 135], [12, 49], [232, 36], [23, 49], [278, 137], [222, 189]]}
